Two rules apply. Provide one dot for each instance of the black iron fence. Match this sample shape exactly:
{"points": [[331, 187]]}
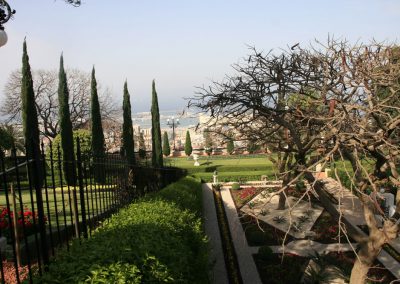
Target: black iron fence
{"points": [[37, 216]]}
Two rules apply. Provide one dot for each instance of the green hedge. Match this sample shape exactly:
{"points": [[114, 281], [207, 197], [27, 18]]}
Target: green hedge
{"points": [[157, 239], [231, 168]]}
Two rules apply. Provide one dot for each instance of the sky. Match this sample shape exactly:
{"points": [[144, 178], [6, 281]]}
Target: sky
{"points": [[180, 44]]}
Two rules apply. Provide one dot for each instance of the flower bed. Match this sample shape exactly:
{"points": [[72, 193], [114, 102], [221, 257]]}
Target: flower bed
{"points": [[244, 194], [157, 239], [28, 220]]}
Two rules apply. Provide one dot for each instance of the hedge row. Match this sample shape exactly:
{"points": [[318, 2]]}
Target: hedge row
{"points": [[232, 168], [157, 239], [235, 177]]}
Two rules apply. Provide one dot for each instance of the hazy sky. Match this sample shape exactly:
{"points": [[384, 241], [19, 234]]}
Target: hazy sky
{"points": [[181, 44]]}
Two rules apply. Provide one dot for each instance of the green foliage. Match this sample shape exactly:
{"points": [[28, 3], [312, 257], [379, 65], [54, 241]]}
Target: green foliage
{"points": [[208, 144], [157, 155], [166, 147], [6, 140], [127, 130], [85, 139], [235, 186], [155, 240], [142, 146], [230, 147], [29, 113], [119, 273], [252, 147], [67, 140], [188, 144], [98, 150], [265, 253]]}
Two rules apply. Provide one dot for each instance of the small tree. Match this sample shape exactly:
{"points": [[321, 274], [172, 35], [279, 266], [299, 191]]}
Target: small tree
{"points": [[142, 146], [157, 155], [166, 147], [252, 147], [98, 148], [29, 114], [207, 142], [127, 129], [230, 147], [67, 141], [188, 144]]}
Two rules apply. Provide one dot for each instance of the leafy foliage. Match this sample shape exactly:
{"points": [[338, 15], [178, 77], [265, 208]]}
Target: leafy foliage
{"points": [[230, 146], [66, 126], [127, 130], [157, 239], [85, 140], [29, 114], [142, 146], [166, 147], [188, 144], [98, 148], [157, 155]]}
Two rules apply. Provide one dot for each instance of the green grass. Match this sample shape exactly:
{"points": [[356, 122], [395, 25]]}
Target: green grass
{"points": [[230, 168], [100, 194], [158, 239]]}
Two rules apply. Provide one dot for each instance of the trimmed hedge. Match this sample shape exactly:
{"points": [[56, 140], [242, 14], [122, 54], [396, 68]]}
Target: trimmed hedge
{"points": [[157, 239]]}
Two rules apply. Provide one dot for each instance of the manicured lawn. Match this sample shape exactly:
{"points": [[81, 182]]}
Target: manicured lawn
{"points": [[230, 168], [96, 198]]}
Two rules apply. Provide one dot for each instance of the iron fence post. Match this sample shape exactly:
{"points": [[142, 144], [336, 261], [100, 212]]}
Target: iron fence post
{"points": [[37, 167], [81, 190]]}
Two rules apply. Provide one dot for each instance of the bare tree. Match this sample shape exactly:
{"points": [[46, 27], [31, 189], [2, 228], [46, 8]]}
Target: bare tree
{"points": [[337, 100], [45, 85]]}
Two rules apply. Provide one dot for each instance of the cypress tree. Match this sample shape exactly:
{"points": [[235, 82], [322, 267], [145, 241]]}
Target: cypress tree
{"points": [[157, 155], [230, 147], [98, 149], [67, 138], [142, 146], [188, 144], [166, 148], [127, 129], [29, 113]]}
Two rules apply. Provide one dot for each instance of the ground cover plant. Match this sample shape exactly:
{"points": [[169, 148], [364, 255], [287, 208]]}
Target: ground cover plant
{"points": [[157, 239], [243, 195]]}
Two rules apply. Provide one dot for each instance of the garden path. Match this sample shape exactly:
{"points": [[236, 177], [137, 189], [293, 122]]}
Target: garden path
{"points": [[352, 211], [219, 273]]}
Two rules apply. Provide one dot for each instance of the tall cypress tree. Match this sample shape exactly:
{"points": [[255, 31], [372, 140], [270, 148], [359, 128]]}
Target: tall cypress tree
{"points": [[142, 146], [188, 144], [67, 138], [127, 129], [157, 155], [98, 149], [230, 146], [166, 147], [29, 113]]}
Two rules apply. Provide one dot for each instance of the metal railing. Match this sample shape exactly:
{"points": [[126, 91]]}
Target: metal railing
{"points": [[37, 217]]}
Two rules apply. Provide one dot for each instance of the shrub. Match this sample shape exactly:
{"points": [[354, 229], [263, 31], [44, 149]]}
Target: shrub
{"points": [[256, 237], [85, 140], [265, 253], [157, 239], [235, 186]]}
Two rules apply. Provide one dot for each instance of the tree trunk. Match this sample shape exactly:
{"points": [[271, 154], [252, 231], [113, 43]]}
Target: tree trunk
{"points": [[370, 249], [283, 194], [282, 165]]}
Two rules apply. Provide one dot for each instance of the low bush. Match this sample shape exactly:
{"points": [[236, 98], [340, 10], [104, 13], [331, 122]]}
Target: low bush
{"points": [[265, 253], [157, 239], [235, 186]]}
